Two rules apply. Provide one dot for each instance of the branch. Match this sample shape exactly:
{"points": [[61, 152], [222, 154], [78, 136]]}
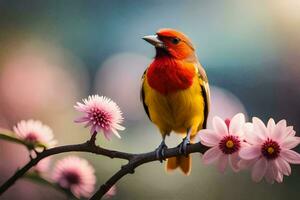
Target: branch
{"points": [[140, 159], [135, 160], [88, 146]]}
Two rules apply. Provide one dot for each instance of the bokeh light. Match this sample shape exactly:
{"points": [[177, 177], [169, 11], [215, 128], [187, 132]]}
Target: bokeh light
{"points": [[117, 78], [39, 78], [224, 104]]}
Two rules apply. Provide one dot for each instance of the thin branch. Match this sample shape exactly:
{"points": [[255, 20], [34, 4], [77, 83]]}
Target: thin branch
{"points": [[135, 160], [88, 146], [140, 159]]}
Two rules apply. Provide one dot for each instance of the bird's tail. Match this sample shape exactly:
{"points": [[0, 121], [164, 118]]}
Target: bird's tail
{"points": [[183, 162]]}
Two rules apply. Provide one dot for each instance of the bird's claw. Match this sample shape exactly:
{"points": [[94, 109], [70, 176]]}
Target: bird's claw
{"points": [[183, 146], [160, 151]]}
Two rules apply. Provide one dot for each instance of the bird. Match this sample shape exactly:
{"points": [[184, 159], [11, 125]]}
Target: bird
{"points": [[175, 93]]}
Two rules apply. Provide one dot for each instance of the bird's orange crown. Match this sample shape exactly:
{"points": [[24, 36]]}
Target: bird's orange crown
{"points": [[176, 43]]}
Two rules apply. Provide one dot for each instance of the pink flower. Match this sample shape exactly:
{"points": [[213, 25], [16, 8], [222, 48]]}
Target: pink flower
{"points": [[226, 142], [33, 132], [75, 174], [101, 114], [111, 192], [268, 152]]}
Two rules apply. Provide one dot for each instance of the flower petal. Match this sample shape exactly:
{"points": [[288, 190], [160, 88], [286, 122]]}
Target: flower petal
{"points": [[280, 131], [222, 162], [81, 119], [220, 126], [259, 169], [211, 155], [279, 177], [209, 137], [120, 127], [245, 144], [236, 124], [259, 128], [249, 134], [290, 142], [269, 176], [249, 153], [271, 126], [248, 126], [292, 133], [107, 135], [233, 161], [245, 164], [290, 156], [283, 166], [271, 173], [116, 133]]}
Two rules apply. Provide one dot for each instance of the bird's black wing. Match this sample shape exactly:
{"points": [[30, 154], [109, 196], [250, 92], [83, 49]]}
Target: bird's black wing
{"points": [[142, 95], [205, 92]]}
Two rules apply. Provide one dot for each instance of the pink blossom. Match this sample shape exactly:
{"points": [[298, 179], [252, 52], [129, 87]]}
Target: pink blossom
{"points": [[75, 174], [269, 151], [101, 114], [111, 192], [225, 142], [34, 132]]}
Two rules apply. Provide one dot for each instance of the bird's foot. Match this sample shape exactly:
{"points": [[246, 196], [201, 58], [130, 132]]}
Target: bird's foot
{"points": [[183, 146], [160, 151]]}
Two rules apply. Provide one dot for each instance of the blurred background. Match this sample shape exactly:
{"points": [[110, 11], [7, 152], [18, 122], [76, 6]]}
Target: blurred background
{"points": [[54, 53]]}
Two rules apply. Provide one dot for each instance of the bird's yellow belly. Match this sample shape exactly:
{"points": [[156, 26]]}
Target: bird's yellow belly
{"points": [[176, 111]]}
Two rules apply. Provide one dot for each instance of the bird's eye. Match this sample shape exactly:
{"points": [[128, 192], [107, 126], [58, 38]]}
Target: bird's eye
{"points": [[175, 40]]}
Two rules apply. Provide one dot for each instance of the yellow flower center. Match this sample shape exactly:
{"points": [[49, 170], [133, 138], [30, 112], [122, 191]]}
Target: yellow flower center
{"points": [[229, 144], [270, 150]]}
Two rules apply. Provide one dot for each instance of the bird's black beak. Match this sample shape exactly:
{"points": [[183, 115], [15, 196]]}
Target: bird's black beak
{"points": [[153, 39]]}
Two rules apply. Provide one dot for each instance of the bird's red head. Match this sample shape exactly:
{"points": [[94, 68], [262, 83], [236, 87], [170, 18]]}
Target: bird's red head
{"points": [[169, 42]]}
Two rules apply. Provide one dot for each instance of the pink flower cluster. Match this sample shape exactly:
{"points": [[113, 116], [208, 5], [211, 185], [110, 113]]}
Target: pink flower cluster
{"points": [[73, 173], [266, 149]]}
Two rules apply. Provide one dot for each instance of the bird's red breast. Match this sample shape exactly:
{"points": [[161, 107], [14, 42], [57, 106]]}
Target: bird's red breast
{"points": [[167, 75]]}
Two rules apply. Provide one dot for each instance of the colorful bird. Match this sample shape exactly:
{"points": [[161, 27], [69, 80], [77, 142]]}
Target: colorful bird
{"points": [[175, 92]]}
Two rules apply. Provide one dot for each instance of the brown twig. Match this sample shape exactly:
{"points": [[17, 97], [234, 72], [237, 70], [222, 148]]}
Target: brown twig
{"points": [[139, 159]]}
